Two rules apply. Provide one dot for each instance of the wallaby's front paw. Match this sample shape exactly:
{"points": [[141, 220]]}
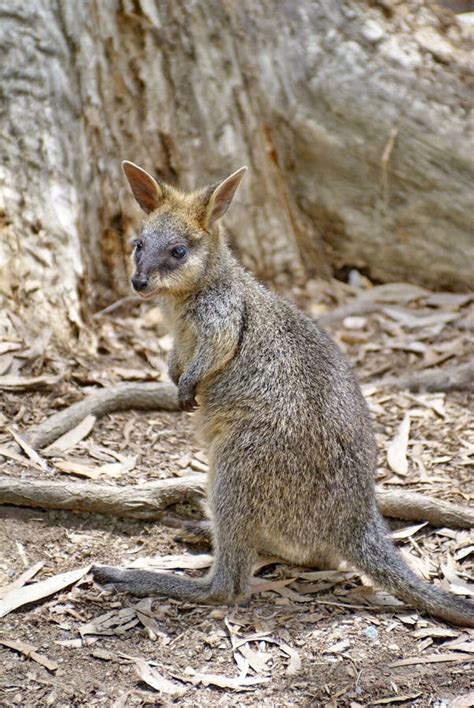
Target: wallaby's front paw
{"points": [[187, 398], [173, 371], [188, 404], [174, 375], [121, 579]]}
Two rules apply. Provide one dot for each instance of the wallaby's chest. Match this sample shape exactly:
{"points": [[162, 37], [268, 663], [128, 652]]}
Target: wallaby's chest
{"points": [[184, 335], [185, 341]]}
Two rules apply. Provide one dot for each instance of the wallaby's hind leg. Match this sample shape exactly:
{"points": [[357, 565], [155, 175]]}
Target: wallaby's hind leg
{"points": [[227, 581], [325, 561]]}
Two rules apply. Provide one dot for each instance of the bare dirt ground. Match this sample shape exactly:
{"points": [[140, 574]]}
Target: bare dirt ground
{"points": [[306, 639]]}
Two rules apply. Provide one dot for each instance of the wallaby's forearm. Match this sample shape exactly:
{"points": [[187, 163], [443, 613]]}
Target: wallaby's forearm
{"points": [[211, 356], [174, 368]]}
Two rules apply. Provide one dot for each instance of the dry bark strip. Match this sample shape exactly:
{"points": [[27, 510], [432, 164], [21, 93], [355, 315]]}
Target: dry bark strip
{"points": [[148, 501], [141, 396]]}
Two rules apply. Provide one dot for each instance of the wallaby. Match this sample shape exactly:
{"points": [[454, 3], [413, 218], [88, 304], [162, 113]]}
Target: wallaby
{"points": [[290, 442]]}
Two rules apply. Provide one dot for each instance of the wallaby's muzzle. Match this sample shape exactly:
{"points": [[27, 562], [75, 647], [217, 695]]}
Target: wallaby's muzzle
{"points": [[140, 282]]}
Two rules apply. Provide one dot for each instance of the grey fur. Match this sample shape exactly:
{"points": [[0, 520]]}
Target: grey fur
{"points": [[291, 448]]}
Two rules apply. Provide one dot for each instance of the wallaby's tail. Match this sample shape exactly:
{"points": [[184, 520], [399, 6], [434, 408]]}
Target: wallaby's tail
{"points": [[377, 557]]}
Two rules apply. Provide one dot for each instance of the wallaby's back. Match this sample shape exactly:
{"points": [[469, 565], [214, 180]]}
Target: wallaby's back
{"points": [[292, 410]]}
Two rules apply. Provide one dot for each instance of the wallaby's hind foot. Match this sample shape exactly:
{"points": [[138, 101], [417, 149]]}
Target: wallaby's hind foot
{"points": [[227, 582], [143, 583]]}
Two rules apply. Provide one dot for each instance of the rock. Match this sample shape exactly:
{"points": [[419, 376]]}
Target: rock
{"points": [[430, 41], [354, 322], [372, 31], [338, 647], [217, 614], [371, 632]]}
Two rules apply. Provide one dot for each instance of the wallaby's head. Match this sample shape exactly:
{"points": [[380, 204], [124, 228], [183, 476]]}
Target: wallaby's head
{"points": [[179, 235]]}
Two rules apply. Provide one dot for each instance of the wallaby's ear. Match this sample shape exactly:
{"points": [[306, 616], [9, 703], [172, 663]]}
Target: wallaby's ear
{"points": [[222, 195], [146, 190]]}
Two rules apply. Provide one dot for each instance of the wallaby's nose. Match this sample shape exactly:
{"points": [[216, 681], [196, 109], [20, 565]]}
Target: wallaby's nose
{"points": [[139, 282]]}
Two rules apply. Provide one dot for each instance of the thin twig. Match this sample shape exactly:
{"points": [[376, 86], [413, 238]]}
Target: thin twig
{"points": [[116, 305]]}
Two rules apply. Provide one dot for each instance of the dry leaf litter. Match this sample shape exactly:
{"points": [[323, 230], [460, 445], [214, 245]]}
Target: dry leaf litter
{"points": [[308, 637]]}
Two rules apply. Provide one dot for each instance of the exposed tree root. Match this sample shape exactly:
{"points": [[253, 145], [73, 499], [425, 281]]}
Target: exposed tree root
{"points": [[450, 378], [148, 501], [162, 396], [144, 501], [411, 506], [141, 396]]}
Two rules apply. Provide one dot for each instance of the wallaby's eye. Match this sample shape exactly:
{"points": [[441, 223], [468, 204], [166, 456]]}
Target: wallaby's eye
{"points": [[179, 252], [139, 244]]}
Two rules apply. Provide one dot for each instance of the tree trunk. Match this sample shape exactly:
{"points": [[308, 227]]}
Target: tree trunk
{"points": [[353, 118]]}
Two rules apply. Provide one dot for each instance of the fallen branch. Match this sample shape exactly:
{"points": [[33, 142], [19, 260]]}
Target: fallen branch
{"points": [[451, 378], [144, 501], [162, 396], [411, 506], [148, 501], [129, 299], [141, 396]]}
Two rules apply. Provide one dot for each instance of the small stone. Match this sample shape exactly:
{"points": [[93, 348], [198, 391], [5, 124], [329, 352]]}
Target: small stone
{"points": [[338, 647], [432, 42], [371, 632], [184, 461], [217, 614], [407, 57], [466, 18], [372, 32], [354, 278], [317, 309], [354, 322]]}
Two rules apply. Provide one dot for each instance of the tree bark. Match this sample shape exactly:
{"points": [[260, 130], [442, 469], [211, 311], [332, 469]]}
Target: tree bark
{"points": [[353, 118]]}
